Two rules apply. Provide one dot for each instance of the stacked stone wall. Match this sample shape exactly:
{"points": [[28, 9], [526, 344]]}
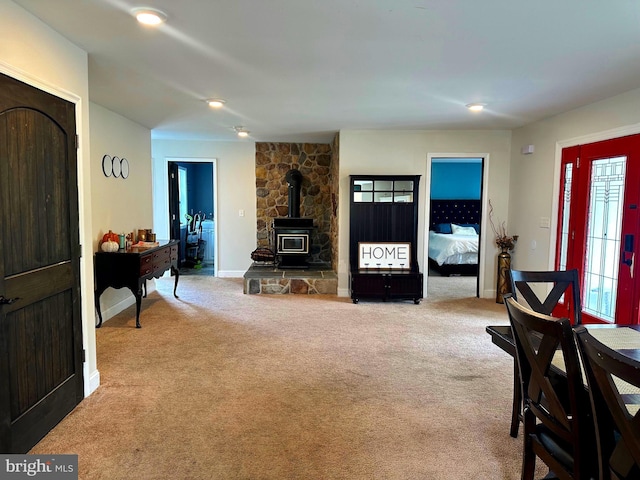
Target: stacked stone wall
{"points": [[335, 200], [314, 161]]}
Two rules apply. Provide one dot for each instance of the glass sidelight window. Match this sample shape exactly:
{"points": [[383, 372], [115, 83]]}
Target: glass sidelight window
{"points": [[183, 194]]}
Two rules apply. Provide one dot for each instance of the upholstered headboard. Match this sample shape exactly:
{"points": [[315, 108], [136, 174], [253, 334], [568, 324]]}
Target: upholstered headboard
{"points": [[454, 211]]}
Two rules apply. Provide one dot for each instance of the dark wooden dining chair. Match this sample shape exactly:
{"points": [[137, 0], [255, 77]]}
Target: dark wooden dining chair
{"points": [[559, 283], [617, 429], [557, 424]]}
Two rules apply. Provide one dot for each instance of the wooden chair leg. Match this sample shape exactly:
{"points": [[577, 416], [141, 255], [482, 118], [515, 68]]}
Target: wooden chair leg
{"points": [[528, 455], [517, 401]]}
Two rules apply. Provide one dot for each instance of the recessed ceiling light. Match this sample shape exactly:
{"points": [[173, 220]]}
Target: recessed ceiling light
{"points": [[241, 131], [215, 102], [476, 107], [149, 16]]}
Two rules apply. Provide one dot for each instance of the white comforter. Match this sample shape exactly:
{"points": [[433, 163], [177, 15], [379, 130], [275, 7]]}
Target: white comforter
{"points": [[450, 248]]}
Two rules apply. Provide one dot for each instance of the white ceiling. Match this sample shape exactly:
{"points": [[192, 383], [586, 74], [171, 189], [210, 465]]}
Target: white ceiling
{"points": [[301, 70]]}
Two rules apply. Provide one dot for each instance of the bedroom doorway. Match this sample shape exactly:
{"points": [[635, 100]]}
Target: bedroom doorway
{"points": [[454, 203]]}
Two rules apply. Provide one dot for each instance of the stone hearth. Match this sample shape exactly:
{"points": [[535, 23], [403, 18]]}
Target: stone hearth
{"points": [[268, 279]]}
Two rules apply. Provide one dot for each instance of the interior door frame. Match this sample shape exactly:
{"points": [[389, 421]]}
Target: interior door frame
{"points": [[91, 375], [174, 205], [165, 198], [484, 202]]}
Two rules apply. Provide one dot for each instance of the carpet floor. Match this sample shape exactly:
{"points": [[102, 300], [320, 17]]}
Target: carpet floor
{"points": [[222, 385]]}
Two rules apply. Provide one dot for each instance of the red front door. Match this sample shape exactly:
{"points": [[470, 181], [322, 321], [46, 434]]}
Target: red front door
{"points": [[599, 226]]}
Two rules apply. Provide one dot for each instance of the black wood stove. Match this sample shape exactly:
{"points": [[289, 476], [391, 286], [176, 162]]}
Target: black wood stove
{"points": [[292, 235]]}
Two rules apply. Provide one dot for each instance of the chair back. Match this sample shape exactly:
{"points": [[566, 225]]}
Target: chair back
{"points": [[565, 282], [556, 404], [614, 382]]}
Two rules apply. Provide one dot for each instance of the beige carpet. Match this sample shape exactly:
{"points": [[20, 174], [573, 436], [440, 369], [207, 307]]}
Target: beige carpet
{"points": [[442, 288], [222, 385]]}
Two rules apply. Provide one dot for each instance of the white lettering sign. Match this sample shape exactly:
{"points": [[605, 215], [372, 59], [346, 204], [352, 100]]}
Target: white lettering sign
{"points": [[394, 255]]}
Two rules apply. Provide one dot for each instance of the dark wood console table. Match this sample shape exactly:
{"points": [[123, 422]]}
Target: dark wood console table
{"points": [[132, 268]]}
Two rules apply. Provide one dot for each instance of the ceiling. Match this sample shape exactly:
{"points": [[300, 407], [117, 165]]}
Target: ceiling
{"points": [[301, 70]]}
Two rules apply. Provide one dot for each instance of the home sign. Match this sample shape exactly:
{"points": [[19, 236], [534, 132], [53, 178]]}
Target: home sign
{"points": [[386, 255]]}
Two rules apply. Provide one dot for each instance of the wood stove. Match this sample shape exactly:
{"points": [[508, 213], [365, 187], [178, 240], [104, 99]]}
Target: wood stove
{"points": [[292, 235], [292, 240]]}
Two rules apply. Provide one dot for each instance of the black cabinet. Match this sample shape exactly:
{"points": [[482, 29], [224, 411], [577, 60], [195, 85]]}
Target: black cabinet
{"points": [[383, 216], [386, 285]]}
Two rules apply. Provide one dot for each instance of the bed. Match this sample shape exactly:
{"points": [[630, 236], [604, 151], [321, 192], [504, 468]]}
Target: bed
{"points": [[454, 237], [453, 254]]}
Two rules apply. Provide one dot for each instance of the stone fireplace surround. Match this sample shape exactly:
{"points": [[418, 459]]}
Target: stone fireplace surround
{"points": [[318, 195], [273, 161]]}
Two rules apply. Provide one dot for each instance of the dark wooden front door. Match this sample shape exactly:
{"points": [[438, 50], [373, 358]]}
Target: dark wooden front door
{"points": [[40, 323]]}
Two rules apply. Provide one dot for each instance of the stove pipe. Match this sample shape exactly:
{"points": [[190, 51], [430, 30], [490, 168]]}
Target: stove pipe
{"points": [[294, 179]]}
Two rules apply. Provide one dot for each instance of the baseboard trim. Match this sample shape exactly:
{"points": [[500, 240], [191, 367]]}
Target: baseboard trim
{"points": [[91, 383], [115, 309], [489, 293], [231, 273]]}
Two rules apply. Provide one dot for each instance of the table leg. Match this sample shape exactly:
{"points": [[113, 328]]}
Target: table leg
{"points": [[138, 296], [97, 301], [176, 273]]}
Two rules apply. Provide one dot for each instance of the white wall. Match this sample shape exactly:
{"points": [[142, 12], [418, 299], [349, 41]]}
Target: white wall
{"points": [[535, 178], [236, 190], [33, 53], [405, 153], [121, 205]]}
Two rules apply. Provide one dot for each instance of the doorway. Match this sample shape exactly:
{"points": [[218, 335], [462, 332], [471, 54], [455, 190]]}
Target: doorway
{"points": [[41, 355], [599, 223], [192, 213], [454, 199]]}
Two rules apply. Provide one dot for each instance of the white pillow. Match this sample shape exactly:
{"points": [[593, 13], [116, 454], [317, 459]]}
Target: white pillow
{"points": [[459, 230]]}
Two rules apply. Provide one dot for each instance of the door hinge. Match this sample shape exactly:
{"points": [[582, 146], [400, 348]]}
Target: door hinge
{"points": [[578, 162], [573, 234], [84, 355], [174, 216], [173, 176], [77, 141], [79, 251]]}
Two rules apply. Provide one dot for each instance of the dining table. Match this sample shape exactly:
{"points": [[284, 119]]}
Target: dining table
{"points": [[624, 339]]}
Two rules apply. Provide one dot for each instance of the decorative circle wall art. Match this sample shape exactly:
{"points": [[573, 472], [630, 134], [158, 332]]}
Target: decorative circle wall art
{"points": [[116, 167], [124, 168], [107, 166], [113, 166]]}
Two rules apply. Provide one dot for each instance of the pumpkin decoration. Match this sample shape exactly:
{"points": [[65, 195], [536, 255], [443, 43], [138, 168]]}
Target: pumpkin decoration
{"points": [[110, 246], [110, 236], [110, 242]]}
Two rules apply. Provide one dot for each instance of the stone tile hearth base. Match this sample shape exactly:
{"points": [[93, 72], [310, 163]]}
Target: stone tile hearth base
{"points": [[268, 279]]}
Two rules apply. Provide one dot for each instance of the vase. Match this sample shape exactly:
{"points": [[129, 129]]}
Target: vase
{"points": [[504, 264]]}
